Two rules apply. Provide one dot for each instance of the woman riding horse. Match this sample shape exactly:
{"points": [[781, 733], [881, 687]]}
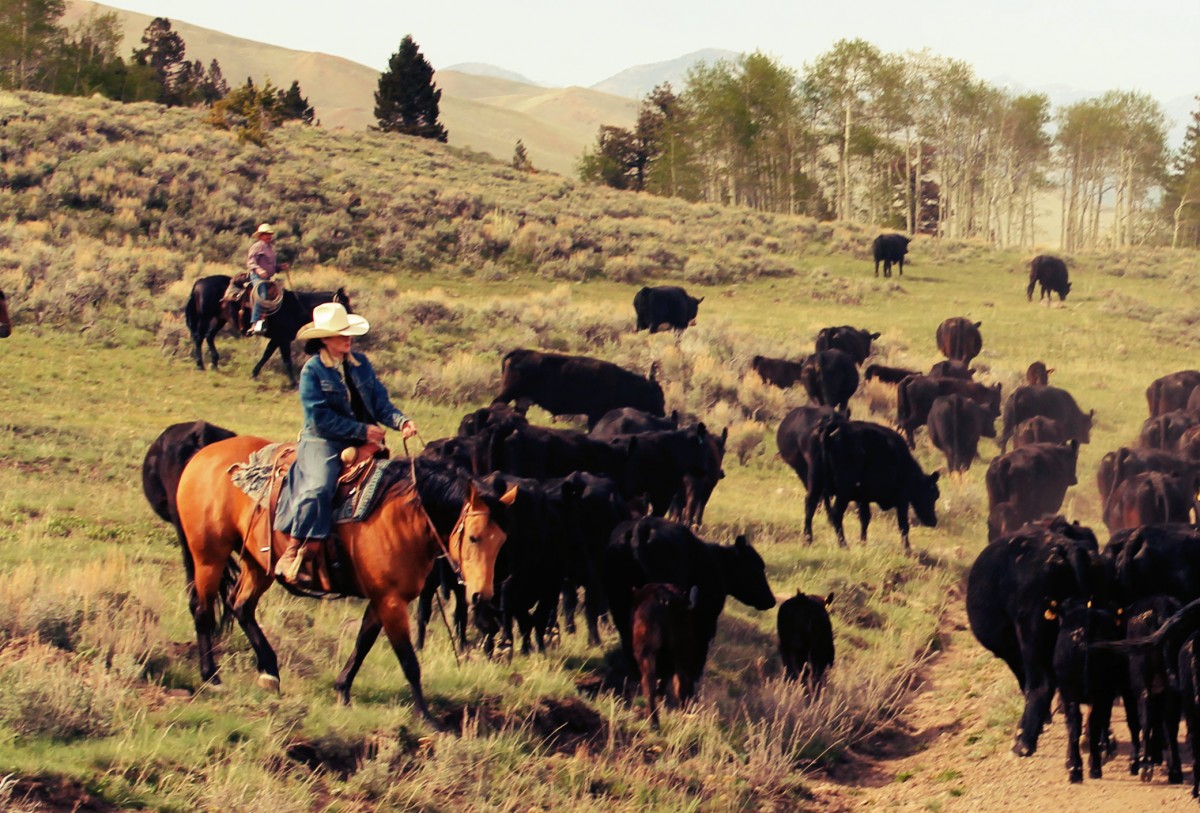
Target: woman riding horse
{"points": [[344, 406]]}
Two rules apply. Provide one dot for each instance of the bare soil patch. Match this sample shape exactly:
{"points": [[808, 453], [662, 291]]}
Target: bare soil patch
{"points": [[950, 752]]}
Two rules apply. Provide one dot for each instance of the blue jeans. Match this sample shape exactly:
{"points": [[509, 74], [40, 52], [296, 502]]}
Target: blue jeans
{"points": [[257, 292], [305, 508]]}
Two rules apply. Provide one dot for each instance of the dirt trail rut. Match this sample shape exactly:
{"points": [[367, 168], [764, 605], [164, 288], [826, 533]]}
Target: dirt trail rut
{"points": [[951, 752]]}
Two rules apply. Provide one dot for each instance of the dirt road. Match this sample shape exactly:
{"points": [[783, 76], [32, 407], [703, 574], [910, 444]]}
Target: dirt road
{"points": [[951, 752]]}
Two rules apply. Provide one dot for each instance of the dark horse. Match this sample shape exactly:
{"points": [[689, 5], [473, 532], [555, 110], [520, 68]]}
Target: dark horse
{"points": [[390, 553], [206, 314], [5, 319]]}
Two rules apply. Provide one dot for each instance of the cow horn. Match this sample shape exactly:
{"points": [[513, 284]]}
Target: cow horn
{"points": [[829, 600]]}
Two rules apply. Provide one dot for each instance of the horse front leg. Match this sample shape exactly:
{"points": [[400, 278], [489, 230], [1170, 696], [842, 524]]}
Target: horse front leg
{"points": [[252, 584], [368, 631], [271, 347], [393, 613]]}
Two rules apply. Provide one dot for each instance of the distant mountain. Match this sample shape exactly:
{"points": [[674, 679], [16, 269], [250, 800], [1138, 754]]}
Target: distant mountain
{"points": [[1179, 110], [483, 113], [493, 71], [638, 81]]}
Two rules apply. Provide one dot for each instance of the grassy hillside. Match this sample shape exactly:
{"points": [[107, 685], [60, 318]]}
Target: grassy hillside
{"points": [[108, 213], [480, 113]]}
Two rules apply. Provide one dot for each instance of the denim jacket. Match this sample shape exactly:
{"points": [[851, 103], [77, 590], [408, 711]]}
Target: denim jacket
{"points": [[326, 400]]}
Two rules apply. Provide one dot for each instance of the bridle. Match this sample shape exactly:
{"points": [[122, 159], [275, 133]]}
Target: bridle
{"points": [[460, 525]]}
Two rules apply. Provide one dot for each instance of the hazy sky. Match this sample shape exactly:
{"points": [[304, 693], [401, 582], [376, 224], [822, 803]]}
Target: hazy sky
{"points": [[1091, 45]]}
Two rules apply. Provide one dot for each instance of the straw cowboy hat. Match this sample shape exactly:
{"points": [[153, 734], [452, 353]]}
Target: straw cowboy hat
{"points": [[265, 228], [331, 319]]}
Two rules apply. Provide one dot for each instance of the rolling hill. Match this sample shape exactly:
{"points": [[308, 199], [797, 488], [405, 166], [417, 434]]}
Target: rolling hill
{"points": [[483, 113]]}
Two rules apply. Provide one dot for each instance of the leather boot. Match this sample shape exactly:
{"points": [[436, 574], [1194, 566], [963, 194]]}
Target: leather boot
{"points": [[288, 566]]}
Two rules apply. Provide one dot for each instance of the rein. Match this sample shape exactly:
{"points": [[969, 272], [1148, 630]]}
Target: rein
{"points": [[460, 527]]}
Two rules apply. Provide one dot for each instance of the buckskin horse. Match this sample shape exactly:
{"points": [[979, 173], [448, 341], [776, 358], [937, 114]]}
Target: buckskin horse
{"points": [[390, 553], [205, 314], [5, 319]]}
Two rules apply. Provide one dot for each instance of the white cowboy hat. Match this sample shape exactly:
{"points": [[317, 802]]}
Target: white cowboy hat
{"points": [[331, 319], [265, 228]]}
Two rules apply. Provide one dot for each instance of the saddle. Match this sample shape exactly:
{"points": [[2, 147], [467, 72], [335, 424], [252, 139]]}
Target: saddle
{"points": [[361, 483]]}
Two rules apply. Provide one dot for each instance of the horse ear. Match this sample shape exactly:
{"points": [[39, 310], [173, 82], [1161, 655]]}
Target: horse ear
{"points": [[510, 496]]}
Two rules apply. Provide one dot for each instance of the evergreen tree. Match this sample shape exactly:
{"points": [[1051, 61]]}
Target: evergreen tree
{"points": [[164, 52], [249, 111], [407, 100], [520, 159], [293, 105], [214, 88]]}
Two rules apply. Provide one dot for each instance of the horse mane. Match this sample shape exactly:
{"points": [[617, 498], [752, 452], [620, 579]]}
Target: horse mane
{"points": [[441, 485]]}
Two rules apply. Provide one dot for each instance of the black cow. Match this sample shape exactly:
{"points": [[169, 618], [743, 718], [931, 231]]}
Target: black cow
{"points": [[1014, 591], [1172, 391], [1028, 483], [630, 421], [959, 339], [1027, 402], [955, 425], [1037, 374], [657, 550], [867, 463], [780, 372], [1086, 676], [443, 581], [805, 637], [532, 565], [1051, 273], [542, 453], [575, 385], [698, 487], [1038, 429], [1153, 559], [796, 440], [888, 249], [659, 463], [916, 395], [1116, 467], [665, 305], [852, 340], [830, 378], [1150, 498], [664, 644], [592, 507], [952, 369], [1165, 431], [888, 375], [476, 423], [1156, 701], [1189, 691]]}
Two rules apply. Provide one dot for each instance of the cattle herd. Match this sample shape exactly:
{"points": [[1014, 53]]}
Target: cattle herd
{"points": [[614, 511]]}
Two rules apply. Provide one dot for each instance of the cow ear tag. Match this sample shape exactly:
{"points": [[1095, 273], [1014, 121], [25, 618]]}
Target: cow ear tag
{"points": [[1050, 615]]}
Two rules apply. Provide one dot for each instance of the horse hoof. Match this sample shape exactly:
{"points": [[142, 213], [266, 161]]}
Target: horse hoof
{"points": [[269, 683]]}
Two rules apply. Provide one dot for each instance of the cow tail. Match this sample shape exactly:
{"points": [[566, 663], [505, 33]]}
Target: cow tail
{"points": [[903, 404], [1131, 548], [1081, 564]]}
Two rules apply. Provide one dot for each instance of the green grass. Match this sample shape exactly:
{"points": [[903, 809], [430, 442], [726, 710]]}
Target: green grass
{"points": [[94, 632]]}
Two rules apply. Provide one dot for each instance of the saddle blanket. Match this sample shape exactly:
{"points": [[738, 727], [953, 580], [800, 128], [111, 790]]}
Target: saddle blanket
{"points": [[355, 504]]}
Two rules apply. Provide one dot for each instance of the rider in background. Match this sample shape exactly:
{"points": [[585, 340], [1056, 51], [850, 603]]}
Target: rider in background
{"points": [[260, 262], [344, 405]]}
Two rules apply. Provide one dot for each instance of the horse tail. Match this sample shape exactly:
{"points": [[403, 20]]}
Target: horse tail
{"points": [[190, 315]]}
